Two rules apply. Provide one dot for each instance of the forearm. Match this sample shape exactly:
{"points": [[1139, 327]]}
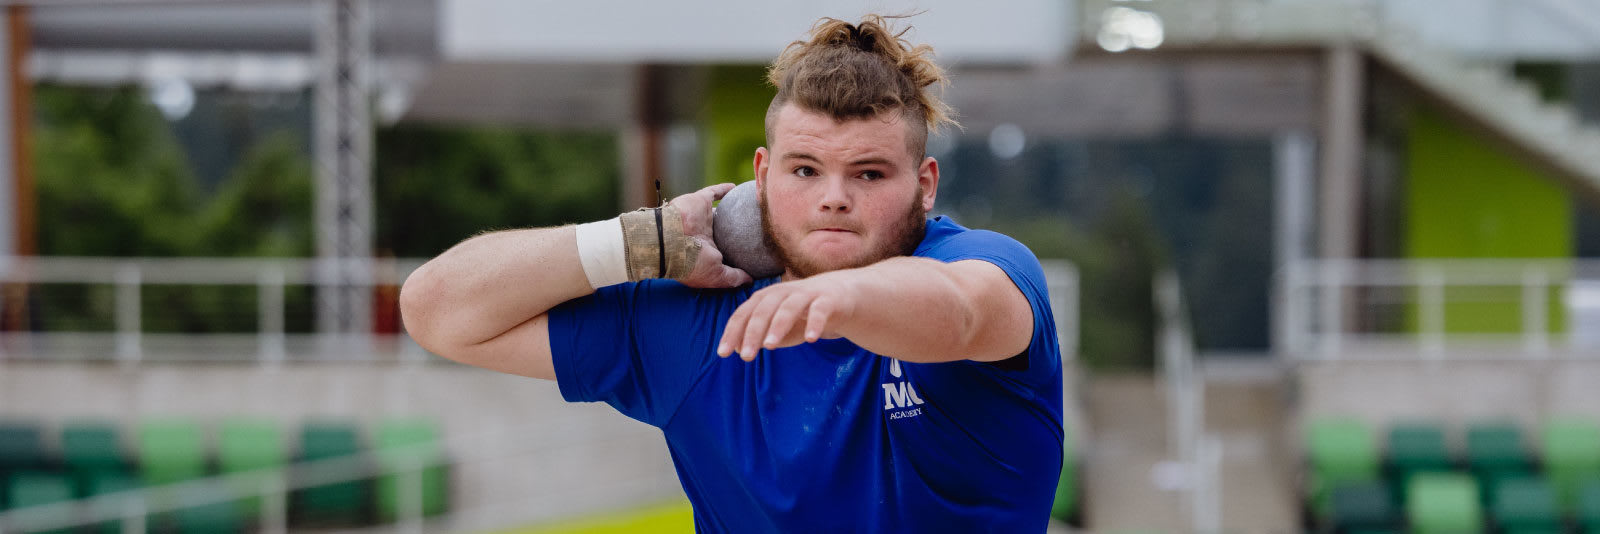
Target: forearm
{"points": [[488, 284], [913, 309]]}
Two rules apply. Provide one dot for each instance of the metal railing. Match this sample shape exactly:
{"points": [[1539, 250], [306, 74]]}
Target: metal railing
{"points": [[123, 287], [1196, 465], [119, 287], [1333, 308]]}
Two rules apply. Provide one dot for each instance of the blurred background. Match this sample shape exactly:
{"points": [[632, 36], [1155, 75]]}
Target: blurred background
{"points": [[1319, 265]]}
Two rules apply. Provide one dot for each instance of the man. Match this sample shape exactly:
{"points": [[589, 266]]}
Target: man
{"points": [[902, 375]]}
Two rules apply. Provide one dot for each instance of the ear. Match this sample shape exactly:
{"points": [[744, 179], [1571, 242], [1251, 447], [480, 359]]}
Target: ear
{"points": [[928, 178], [762, 161]]}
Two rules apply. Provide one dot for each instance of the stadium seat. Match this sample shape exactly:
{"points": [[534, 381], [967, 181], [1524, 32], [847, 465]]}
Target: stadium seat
{"points": [[199, 515], [1587, 512], [1526, 505], [1571, 456], [1363, 507], [1416, 448], [340, 503], [403, 444], [21, 449], [104, 482], [1443, 503], [92, 450], [1495, 452], [171, 451], [33, 488], [250, 445], [1342, 451]]}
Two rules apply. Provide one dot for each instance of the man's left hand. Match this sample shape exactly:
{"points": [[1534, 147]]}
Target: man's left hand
{"points": [[788, 314]]}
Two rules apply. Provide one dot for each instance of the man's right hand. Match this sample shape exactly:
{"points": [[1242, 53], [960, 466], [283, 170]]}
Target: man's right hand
{"points": [[709, 271]]}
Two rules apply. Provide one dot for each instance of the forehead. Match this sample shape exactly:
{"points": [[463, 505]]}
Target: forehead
{"points": [[797, 129]]}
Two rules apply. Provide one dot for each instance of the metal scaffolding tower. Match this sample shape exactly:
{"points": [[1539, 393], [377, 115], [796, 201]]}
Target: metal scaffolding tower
{"points": [[343, 45]]}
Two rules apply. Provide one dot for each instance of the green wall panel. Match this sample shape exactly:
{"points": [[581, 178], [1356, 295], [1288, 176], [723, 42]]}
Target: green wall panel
{"points": [[1467, 197]]}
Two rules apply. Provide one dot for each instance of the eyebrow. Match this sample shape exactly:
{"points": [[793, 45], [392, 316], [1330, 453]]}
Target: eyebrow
{"points": [[863, 161]]}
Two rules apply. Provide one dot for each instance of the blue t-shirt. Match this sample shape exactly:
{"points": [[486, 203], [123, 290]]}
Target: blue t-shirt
{"points": [[825, 436]]}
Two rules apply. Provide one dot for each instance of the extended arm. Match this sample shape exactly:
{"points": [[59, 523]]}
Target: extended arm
{"points": [[914, 309], [483, 302]]}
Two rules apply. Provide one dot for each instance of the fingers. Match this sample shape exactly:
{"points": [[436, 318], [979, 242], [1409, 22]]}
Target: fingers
{"points": [[820, 312], [788, 312], [719, 190]]}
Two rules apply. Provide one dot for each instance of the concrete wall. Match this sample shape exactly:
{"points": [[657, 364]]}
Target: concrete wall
{"points": [[524, 455], [1455, 393]]}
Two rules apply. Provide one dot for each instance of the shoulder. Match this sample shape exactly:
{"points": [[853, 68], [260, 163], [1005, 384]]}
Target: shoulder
{"points": [[945, 240]]}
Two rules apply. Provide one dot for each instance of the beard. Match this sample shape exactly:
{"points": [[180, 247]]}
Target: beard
{"points": [[903, 240]]}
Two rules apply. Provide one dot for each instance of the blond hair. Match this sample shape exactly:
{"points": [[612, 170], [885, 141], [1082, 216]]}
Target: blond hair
{"points": [[856, 71]]}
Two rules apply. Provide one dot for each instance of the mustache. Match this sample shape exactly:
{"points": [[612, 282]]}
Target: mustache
{"points": [[835, 225]]}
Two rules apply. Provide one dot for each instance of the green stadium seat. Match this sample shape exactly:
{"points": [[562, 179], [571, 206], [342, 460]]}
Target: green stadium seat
{"points": [[34, 488], [1526, 505], [402, 444], [200, 516], [1496, 452], [1341, 451], [1363, 507], [21, 449], [250, 445], [1065, 507], [1586, 513], [340, 503], [105, 482], [171, 451], [1443, 503], [91, 450], [1571, 456], [1416, 448]]}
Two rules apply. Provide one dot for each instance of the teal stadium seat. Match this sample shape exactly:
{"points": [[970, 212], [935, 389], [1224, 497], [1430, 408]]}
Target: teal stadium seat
{"points": [[1526, 505], [1496, 452], [1363, 507], [33, 488], [1416, 448], [92, 450], [340, 503]]}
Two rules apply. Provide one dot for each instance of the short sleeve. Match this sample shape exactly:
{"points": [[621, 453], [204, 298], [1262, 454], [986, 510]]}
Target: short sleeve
{"points": [[1019, 263], [638, 347]]}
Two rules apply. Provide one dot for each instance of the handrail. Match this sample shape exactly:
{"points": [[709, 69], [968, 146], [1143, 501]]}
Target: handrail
{"points": [[270, 344], [1315, 309]]}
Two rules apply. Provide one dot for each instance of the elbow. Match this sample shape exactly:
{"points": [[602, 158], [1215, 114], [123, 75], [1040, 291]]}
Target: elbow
{"points": [[419, 296]]}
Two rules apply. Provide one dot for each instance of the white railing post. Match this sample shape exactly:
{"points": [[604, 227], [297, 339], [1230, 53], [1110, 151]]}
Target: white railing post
{"points": [[1431, 310], [1535, 311], [1331, 291], [409, 493], [274, 504], [134, 514], [270, 310], [128, 279]]}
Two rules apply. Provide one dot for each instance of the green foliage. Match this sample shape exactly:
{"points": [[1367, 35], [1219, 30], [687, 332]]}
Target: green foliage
{"points": [[111, 179], [438, 185], [1117, 260]]}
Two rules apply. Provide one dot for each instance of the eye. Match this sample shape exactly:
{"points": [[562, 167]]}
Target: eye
{"points": [[805, 171], [871, 175]]}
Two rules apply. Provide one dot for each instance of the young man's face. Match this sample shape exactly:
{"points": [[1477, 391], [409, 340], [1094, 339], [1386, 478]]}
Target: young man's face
{"points": [[837, 195]]}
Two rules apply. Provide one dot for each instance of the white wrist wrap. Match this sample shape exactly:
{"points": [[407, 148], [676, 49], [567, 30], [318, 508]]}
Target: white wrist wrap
{"points": [[602, 251]]}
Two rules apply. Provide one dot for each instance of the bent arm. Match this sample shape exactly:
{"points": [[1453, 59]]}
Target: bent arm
{"points": [[483, 301], [925, 310]]}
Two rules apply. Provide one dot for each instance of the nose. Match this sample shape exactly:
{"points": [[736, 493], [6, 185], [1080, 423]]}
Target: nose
{"points": [[835, 197]]}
